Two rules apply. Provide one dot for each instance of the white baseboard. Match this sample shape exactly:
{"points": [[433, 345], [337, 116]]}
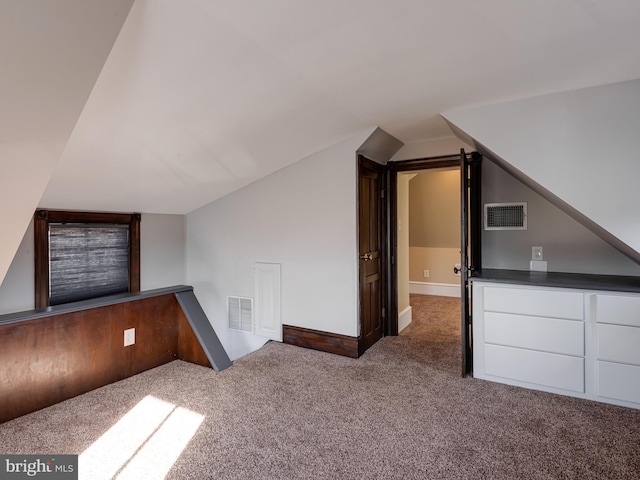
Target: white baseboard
{"points": [[404, 319], [440, 289]]}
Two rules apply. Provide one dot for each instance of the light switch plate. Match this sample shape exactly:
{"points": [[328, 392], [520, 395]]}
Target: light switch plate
{"points": [[538, 266]]}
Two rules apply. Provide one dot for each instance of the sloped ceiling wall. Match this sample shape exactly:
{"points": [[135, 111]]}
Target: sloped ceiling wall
{"points": [[199, 98], [580, 146], [48, 70]]}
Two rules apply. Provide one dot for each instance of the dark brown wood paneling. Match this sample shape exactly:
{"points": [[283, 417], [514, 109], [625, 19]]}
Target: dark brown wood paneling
{"points": [[189, 348], [323, 341], [46, 360], [155, 321]]}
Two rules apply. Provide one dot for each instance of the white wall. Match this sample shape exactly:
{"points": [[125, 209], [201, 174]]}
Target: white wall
{"points": [[437, 147], [302, 217], [567, 245], [438, 260], [580, 145], [162, 251], [162, 261], [51, 57], [17, 289], [402, 255]]}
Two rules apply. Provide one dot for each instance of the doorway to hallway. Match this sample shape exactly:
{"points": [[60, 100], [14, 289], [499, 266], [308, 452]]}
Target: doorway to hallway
{"points": [[427, 243]]}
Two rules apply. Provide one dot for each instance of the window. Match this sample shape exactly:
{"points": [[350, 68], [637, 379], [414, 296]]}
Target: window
{"points": [[85, 255]]}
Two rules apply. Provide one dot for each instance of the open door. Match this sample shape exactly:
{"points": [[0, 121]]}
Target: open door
{"points": [[469, 252], [370, 232], [470, 228]]}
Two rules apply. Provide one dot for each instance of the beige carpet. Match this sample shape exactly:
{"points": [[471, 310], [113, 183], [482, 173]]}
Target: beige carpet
{"points": [[400, 411]]}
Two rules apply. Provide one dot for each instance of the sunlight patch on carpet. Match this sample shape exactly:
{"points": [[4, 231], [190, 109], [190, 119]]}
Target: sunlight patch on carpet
{"points": [[144, 443]]}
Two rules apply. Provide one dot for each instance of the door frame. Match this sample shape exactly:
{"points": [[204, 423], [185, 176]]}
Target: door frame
{"points": [[475, 219]]}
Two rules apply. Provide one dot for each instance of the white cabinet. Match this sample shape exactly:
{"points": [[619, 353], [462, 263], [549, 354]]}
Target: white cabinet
{"points": [[535, 367], [534, 301], [618, 381], [618, 309], [531, 337], [554, 335], [617, 320], [567, 341]]}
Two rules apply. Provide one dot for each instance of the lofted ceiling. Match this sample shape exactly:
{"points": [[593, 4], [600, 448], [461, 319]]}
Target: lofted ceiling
{"points": [[198, 98]]}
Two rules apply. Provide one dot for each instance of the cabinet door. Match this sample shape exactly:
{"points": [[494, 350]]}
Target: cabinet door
{"points": [[618, 343], [618, 309], [619, 381], [552, 335], [541, 303], [540, 368]]}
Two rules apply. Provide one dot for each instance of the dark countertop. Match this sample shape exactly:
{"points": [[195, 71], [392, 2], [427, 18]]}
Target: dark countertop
{"points": [[580, 281], [88, 304]]}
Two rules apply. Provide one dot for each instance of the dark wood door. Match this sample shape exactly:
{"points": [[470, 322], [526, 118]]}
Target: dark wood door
{"points": [[465, 333], [370, 221]]}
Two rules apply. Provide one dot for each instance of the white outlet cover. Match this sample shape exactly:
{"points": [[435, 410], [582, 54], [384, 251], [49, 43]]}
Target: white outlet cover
{"points": [[536, 253], [129, 337]]}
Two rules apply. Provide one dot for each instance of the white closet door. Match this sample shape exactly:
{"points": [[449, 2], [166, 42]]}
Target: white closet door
{"points": [[268, 321]]}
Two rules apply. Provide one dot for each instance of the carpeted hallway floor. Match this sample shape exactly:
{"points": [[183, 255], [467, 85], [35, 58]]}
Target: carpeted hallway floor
{"points": [[400, 411]]}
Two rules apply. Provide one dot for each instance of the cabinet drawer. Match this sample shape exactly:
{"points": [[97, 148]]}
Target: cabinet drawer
{"points": [[549, 369], [541, 303], [619, 381], [538, 333], [618, 343], [618, 309]]}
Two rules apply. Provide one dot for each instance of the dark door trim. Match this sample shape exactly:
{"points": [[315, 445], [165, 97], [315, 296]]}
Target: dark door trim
{"points": [[475, 227]]}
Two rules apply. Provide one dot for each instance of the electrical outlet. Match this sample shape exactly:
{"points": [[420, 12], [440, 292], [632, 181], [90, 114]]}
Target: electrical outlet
{"points": [[426, 273], [129, 337], [536, 253]]}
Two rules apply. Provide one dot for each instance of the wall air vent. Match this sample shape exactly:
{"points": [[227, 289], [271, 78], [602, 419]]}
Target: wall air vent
{"points": [[505, 216], [240, 311]]}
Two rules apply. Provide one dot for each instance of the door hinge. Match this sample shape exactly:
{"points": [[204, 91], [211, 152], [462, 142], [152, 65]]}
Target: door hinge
{"points": [[384, 312], [382, 193]]}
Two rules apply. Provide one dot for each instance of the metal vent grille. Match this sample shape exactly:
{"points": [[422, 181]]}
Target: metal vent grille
{"points": [[505, 216], [240, 311]]}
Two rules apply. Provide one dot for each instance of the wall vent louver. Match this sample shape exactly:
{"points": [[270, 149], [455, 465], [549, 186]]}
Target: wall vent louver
{"points": [[505, 216], [240, 311]]}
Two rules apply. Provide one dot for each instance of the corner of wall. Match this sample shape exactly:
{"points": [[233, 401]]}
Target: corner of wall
{"points": [[303, 217], [380, 146]]}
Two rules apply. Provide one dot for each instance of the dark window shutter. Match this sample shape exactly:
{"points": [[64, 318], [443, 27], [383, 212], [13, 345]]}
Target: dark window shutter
{"points": [[87, 261]]}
